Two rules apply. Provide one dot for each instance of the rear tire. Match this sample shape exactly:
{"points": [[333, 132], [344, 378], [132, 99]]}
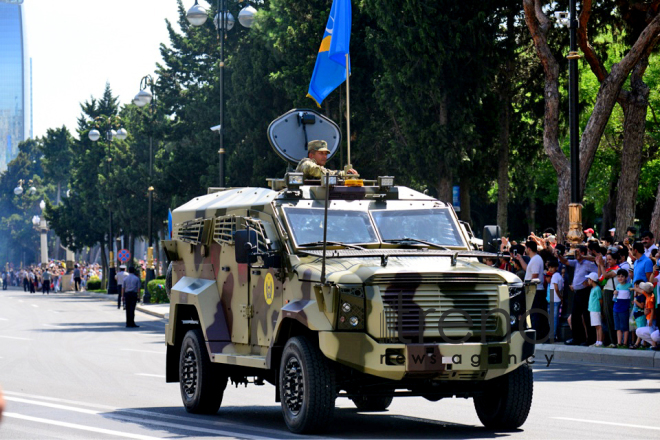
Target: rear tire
{"points": [[372, 403], [307, 387], [507, 400], [202, 383]]}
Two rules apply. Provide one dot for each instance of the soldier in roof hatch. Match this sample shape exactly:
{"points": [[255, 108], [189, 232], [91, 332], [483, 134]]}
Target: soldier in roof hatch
{"points": [[313, 166]]}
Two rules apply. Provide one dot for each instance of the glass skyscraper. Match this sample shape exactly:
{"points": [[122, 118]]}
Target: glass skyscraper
{"points": [[15, 76]]}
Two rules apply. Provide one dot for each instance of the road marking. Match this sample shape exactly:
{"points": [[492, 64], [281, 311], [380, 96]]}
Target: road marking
{"points": [[139, 420], [20, 301], [625, 425], [34, 305], [14, 337], [150, 375], [143, 351], [79, 427], [148, 414], [4, 319]]}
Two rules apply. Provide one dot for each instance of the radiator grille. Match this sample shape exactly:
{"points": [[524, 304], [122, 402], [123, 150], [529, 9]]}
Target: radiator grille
{"points": [[411, 309]]}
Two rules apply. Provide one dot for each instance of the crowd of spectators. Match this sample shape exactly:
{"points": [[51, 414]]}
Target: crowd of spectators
{"points": [[35, 278], [607, 291]]}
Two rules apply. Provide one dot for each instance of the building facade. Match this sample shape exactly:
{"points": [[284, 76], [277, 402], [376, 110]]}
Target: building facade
{"points": [[15, 78]]}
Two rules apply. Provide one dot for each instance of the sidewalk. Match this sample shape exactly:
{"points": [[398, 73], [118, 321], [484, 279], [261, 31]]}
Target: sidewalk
{"points": [[161, 311], [598, 355]]}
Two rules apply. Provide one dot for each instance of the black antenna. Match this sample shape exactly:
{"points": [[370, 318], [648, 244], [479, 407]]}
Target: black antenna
{"points": [[325, 226]]}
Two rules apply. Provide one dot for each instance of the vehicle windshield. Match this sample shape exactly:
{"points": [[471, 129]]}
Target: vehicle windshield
{"points": [[343, 226], [432, 225]]}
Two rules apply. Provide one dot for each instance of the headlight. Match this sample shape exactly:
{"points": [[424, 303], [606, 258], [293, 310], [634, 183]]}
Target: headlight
{"points": [[351, 311], [517, 306]]}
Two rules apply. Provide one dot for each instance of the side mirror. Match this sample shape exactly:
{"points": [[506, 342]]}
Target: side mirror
{"points": [[492, 238], [243, 245]]}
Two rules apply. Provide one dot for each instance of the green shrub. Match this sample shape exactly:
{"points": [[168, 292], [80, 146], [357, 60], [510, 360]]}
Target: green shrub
{"points": [[94, 283], [157, 291]]}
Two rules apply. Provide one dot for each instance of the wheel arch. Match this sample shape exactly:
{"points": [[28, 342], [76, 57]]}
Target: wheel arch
{"points": [[182, 312]]}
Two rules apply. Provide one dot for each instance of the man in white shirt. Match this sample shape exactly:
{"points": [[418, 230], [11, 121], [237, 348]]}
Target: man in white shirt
{"points": [[121, 275], [534, 271]]}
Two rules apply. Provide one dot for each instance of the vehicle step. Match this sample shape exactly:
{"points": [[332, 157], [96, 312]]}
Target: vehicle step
{"points": [[243, 360]]}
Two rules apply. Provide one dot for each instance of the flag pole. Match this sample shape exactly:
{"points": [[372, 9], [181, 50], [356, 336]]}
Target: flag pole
{"points": [[348, 115]]}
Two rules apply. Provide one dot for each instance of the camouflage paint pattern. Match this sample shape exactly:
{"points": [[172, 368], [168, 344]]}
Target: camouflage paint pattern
{"points": [[243, 308]]}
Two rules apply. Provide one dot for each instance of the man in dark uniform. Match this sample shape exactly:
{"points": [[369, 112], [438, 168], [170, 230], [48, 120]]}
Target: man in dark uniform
{"points": [[313, 166], [130, 291]]}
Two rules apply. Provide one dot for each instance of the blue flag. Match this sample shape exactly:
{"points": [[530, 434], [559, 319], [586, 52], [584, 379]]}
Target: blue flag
{"points": [[169, 223], [330, 68]]}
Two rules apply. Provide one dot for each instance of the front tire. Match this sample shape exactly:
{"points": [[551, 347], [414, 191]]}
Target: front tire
{"points": [[507, 400], [202, 383], [307, 387], [372, 403]]}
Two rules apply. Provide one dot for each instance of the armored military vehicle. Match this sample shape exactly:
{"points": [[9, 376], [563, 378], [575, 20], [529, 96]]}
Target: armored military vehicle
{"points": [[340, 288]]}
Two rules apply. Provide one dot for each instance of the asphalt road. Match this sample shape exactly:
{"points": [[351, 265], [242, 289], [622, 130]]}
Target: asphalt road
{"points": [[70, 369]]}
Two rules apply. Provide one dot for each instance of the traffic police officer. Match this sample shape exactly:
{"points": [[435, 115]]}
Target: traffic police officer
{"points": [[130, 289], [313, 166]]}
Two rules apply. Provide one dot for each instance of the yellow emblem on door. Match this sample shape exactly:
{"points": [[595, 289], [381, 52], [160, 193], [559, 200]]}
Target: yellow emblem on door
{"points": [[269, 289]]}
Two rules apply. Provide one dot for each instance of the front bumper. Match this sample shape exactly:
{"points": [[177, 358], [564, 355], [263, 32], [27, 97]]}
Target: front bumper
{"points": [[465, 361]]}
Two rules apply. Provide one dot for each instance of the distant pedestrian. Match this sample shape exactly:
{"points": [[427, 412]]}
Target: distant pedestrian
{"points": [[32, 281], [607, 272], [595, 307], [130, 291], [120, 277], [45, 282], [76, 277]]}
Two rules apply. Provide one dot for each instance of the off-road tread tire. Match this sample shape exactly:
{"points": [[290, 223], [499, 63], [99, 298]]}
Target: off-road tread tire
{"points": [[507, 400], [319, 387], [372, 403], [211, 381], [168, 280]]}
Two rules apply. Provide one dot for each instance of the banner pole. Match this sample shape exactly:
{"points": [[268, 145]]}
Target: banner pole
{"points": [[348, 115]]}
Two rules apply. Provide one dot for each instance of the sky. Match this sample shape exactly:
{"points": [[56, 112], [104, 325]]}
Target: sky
{"points": [[77, 46]]}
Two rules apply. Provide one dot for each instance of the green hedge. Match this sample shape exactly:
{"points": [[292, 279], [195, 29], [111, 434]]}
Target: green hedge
{"points": [[94, 283], [157, 291]]}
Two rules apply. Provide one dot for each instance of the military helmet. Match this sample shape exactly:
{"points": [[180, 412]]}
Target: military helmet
{"points": [[318, 145]]}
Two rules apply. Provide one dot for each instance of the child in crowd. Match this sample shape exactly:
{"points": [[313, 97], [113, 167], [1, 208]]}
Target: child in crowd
{"points": [[621, 306], [595, 307], [638, 310], [555, 289], [649, 333]]}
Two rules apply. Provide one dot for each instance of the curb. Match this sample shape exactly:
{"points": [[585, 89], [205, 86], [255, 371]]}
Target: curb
{"points": [[604, 356], [164, 316], [140, 307]]}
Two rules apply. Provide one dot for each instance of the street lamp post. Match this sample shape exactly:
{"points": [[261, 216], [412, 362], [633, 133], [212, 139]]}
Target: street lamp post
{"points": [[575, 206], [40, 225], [223, 21], [110, 135], [143, 98]]}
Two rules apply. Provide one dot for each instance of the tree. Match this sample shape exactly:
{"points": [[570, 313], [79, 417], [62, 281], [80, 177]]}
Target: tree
{"points": [[539, 25]]}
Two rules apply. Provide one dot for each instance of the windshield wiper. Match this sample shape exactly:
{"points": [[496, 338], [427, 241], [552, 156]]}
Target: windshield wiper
{"points": [[332, 243], [416, 240]]}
